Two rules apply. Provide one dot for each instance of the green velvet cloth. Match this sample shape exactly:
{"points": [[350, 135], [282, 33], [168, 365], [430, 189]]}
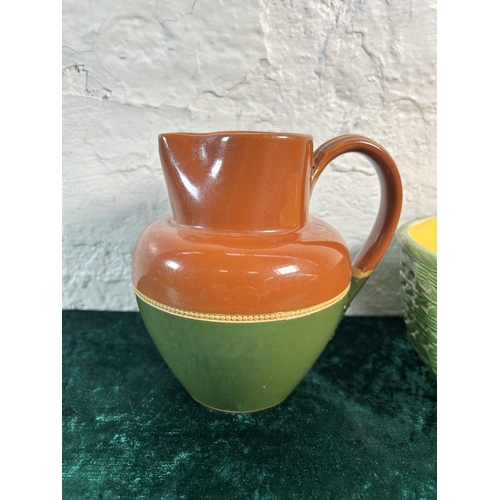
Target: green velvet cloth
{"points": [[362, 423]]}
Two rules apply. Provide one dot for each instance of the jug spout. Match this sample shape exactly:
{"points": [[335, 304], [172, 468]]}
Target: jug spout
{"points": [[238, 181]]}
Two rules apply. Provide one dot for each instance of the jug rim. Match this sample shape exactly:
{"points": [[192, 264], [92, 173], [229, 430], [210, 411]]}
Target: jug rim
{"points": [[279, 135]]}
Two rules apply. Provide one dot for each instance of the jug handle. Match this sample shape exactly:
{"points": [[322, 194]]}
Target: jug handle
{"points": [[391, 199]]}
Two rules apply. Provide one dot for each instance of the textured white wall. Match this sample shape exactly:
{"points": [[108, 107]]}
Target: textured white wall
{"points": [[133, 69]]}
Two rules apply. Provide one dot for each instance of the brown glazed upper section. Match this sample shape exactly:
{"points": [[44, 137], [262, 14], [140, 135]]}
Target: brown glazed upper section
{"points": [[250, 273], [240, 240], [238, 181]]}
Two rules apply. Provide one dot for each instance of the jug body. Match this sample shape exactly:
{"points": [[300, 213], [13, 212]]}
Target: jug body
{"points": [[240, 289]]}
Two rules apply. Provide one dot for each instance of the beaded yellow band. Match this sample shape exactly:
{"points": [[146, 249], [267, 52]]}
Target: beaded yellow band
{"points": [[238, 318]]}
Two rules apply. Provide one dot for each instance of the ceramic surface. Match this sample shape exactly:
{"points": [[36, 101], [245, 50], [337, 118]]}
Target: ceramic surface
{"points": [[418, 241], [240, 277]]}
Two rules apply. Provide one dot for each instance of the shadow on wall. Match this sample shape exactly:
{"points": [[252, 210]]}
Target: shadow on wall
{"points": [[380, 296]]}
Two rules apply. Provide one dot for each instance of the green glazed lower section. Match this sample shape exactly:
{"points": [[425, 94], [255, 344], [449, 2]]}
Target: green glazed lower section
{"points": [[240, 367]]}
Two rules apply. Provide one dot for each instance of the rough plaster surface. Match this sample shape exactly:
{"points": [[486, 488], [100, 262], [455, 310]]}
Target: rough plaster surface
{"points": [[133, 69]]}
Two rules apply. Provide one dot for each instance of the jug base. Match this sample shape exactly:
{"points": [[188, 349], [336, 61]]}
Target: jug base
{"points": [[238, 411]]}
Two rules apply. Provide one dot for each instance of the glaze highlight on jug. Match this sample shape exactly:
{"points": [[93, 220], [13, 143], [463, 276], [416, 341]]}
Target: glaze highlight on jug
{"points": [[240, 288]]}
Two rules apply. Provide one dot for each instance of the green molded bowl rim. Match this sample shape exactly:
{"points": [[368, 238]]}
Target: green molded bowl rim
{"points": [[416, 250]]}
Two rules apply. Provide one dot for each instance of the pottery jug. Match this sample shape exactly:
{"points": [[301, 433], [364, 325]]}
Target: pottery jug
{"points": [[240, 288]]}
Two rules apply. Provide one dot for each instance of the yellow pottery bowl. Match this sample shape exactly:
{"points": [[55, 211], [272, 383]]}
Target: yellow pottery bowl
{"points": [[418, 274]]}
